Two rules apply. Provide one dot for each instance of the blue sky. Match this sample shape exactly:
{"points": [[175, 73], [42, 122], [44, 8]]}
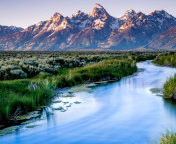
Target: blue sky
{"points": [[24, 13]]}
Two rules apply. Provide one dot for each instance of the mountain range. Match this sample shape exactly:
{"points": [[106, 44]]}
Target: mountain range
{"points": [[166, 40], [96, 30], [6, 30]]}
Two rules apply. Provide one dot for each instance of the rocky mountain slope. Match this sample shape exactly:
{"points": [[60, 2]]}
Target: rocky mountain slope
{"points": [[6, 30], [166, 40], [96, 30]]}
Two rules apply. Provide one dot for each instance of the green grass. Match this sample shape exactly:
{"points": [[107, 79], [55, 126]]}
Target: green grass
{"points": [[145, 57], [166, 60], [114, 68], [169, 138], [169, 90], [18, 97], [170, 87]]}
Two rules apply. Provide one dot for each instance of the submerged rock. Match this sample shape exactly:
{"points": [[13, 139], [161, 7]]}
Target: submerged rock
{"points": [[8, 130], [101, 82], [26, 122], [68, 105], [80, 88], [69, 95], [59, 108], [156, 90], [31, 126], [56, 101], [77, 102], [28, 116], [113, 80], [65, 102], [63, 110]]}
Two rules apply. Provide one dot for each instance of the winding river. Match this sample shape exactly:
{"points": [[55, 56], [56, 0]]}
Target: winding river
{"points": [[124, 112]]}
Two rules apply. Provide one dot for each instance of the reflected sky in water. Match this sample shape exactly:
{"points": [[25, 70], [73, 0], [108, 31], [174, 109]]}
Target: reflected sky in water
{"points": [[120, 112]]}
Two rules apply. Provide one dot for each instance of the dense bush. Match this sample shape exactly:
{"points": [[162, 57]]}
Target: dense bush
{"points": [[29, 67]]}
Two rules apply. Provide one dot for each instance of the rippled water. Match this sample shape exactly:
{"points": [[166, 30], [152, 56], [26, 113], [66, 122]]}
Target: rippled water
{"points": [[120, 112]]}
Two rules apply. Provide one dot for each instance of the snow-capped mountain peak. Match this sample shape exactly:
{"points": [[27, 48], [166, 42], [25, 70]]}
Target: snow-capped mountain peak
{"points": [[6, 30], [56, 17], [98, 6], [97, 29], [98, 11], [128, 14], [79, 14], [161, 13]]}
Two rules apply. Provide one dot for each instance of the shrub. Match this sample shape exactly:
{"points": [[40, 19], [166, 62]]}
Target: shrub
{"points": [[18, 74]]}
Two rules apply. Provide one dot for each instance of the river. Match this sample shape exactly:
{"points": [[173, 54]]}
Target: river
{"points": [[124, 112]]}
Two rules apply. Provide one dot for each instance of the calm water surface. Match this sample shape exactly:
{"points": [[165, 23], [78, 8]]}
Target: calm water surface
{"points": [[124, 112]]}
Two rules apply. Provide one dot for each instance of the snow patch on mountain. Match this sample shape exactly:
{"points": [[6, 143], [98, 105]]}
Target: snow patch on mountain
{"points": [[115, 24]]}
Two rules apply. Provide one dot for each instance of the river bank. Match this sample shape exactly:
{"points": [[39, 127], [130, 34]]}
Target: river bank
{"points": [[169, 87], [169, 90], [21, 96]]}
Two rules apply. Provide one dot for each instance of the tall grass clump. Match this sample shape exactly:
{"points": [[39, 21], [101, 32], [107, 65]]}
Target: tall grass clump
{"points": [[111, 69], [18, 97], [170, 87], [169, 138]]}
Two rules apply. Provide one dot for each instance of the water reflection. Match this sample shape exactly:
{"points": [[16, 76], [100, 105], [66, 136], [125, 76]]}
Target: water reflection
{"points": [[170, 106]]}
